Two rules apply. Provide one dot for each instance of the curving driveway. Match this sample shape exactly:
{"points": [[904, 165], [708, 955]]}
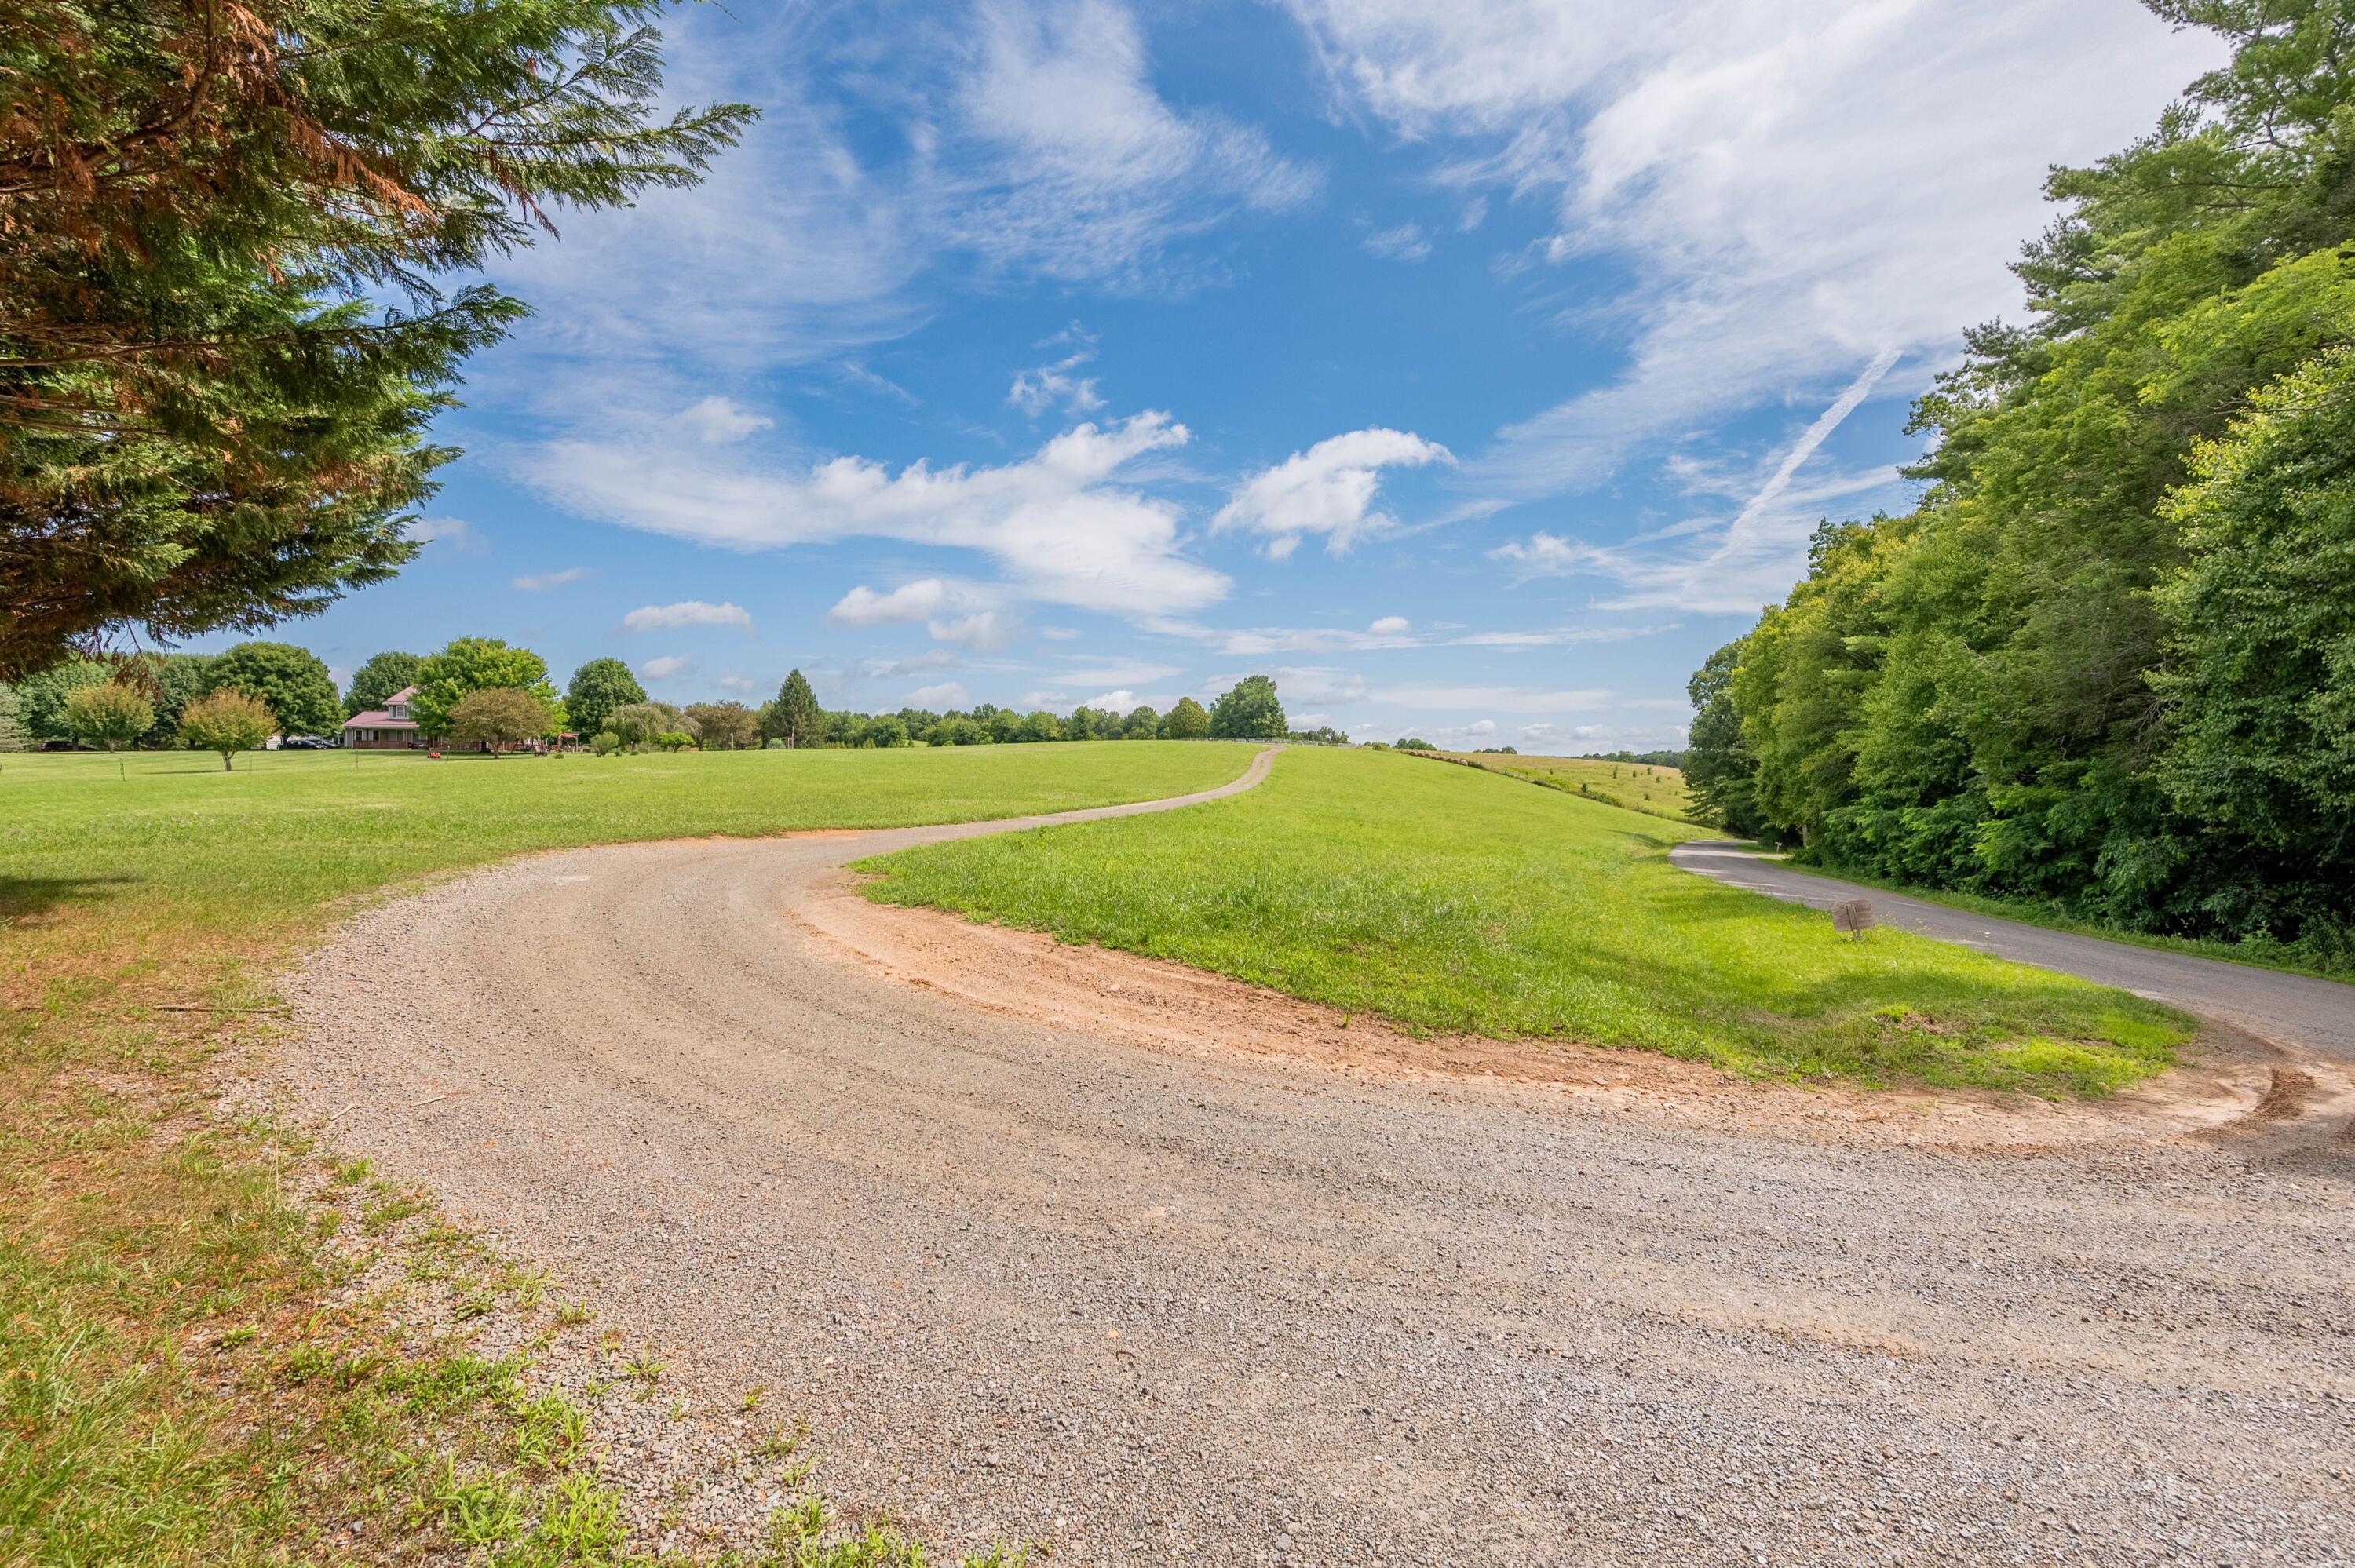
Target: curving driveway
{"points": [[1147, 1306], [2278, 1008]]}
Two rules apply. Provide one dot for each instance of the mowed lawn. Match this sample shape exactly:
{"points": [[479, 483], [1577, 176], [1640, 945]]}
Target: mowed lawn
{"points": [[184, 850], [192, 1367], [1449, 899]]}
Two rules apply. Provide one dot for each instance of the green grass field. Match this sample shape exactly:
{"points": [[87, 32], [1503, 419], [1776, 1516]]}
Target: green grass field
{"points": [[1446, 899], [187, 1375], [1637, 786]]}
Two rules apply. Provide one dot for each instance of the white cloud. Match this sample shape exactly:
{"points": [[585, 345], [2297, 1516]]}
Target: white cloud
{"points": [[687, 612], [540, 582], [1481, 727], [1328, 489], [1119, 702], [947, 694], [456, 533], [1406, 242], [1042, 387], [1055, 522], [717, 421], [1758, 169], [667, 667], [983, 630], [950, 611], [743, 685], [862, 606], [1392, 626], [1094, 173]]}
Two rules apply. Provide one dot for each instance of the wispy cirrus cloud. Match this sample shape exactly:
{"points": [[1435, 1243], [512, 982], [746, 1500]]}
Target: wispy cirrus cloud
{"points": [[1088, 173], [1713, 152], [540, 582], [1723, 564]]}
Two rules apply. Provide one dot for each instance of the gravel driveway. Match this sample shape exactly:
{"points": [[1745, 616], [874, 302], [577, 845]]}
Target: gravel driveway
{"points": [[1142, 1307]]}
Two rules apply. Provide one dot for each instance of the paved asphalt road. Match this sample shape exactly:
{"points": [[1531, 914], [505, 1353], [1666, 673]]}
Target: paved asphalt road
{"points": [[2283, 1009]]}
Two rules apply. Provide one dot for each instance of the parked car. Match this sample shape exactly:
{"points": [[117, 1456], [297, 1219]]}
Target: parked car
{"points": [[307, 743]]}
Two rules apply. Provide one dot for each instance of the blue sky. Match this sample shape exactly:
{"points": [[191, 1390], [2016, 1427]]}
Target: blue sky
{"points": [[1474, 369]]}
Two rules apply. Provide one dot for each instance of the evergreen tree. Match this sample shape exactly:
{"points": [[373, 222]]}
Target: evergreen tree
{"points": [[233, 235], [794, 716]]}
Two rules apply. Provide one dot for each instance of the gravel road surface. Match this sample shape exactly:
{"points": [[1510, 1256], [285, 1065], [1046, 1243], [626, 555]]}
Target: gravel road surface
{"points": [[2287, 1009], [1145, 1306]]}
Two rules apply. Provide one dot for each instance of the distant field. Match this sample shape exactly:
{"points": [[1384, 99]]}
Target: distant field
{"points": [[1639, 787], [186, 1373], [1444, 899]]}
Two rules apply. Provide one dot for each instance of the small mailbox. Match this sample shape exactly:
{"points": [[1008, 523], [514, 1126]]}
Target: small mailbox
{"points": [[1852, 918]]}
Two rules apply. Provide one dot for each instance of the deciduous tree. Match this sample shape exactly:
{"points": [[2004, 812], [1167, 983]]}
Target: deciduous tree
{"points": [[374, 683], [598, 688], [1249, 712], [290, 681], [110, 715], [1187, 721], [637, 724], [725, 726], [502, 715], [476, 664], [227, 722]]}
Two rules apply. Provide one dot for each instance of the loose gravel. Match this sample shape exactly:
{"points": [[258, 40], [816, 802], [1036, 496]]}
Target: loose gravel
{"points": [[1140, 1305]]}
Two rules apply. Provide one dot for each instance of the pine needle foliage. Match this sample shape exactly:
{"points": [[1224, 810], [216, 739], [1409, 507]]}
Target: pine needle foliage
{"points": [[235, 241]]}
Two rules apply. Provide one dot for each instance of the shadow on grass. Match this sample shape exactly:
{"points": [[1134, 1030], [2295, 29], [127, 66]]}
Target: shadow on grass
{"points": [[30, 897]]}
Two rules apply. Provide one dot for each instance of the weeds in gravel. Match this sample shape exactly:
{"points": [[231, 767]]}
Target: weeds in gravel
{"points": [[210, 1334]]}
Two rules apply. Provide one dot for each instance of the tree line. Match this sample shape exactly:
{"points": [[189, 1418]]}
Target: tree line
{"points": [[482, 689], [2108, 662]]}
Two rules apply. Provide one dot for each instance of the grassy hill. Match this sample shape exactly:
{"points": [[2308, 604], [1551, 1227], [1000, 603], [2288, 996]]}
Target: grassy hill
{"points": [[1635, 786], [1453, 899]]}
